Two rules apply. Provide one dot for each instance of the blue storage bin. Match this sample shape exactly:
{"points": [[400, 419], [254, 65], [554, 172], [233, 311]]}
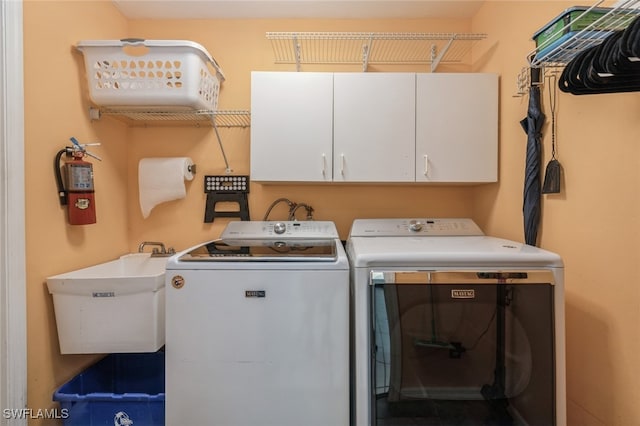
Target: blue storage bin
{"points": [[120, 389]]}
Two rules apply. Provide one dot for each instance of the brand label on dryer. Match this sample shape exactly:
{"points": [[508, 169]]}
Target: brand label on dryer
{"points": [[104, 294], [463, 294], [255, 293]]}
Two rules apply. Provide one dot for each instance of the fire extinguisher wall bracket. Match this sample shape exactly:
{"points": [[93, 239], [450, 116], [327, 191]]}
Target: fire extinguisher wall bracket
{"points": [[62, 192]]}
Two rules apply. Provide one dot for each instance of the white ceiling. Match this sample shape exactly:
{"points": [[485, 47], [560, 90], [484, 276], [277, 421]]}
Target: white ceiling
{"points": [[335, 9]]}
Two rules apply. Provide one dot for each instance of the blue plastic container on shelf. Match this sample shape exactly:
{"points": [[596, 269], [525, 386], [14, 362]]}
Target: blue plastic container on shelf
{"points": [[120, 389], [566, 35]]}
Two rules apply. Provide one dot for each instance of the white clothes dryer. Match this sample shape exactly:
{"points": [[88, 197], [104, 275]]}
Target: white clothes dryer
{"points": [[257, 328], [450, 326]]}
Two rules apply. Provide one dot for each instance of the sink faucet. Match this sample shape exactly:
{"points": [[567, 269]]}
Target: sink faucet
{"points": [[159, 250]]}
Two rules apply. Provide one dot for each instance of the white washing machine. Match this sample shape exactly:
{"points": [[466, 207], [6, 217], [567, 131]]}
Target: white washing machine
{"points": [[257, 328], [450, 326]]}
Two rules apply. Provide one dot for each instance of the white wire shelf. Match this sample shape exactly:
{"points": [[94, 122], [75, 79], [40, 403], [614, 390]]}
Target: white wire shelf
{"points": [[370, 48], [593, 34], [197, 118]]}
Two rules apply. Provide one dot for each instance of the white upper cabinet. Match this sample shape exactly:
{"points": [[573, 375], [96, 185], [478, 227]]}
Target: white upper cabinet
{"points": [[291, 126], [457, 128], [374, 127]]}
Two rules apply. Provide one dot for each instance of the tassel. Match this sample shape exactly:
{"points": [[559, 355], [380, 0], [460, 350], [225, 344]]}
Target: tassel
{"points": [[553, 172], [552, 176]]}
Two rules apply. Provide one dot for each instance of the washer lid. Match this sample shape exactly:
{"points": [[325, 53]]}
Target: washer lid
{"points": [[264, 250], [457, 252]]}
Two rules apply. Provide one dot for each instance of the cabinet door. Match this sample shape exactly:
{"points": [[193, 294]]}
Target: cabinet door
{"points": [[457, 128], [291, 126], [374, 127]]}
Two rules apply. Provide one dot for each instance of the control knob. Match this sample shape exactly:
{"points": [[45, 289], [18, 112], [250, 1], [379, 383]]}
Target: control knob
{"points": [[415, 225], [279, 228]]}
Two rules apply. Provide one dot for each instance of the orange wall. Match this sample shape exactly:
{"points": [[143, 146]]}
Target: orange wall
{"points": [[593, 223], [55, 110], [240, 46], [597, 147]]}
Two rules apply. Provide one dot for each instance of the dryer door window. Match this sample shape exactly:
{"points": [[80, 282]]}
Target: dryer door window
{"points": [[462, 348]]}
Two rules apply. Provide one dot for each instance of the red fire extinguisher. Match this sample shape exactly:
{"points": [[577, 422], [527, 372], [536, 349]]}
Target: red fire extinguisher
{"points": [[79, 194]]}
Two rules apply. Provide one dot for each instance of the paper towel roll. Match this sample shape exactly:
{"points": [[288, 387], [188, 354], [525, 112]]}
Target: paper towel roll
{"points": [[161, 180]]}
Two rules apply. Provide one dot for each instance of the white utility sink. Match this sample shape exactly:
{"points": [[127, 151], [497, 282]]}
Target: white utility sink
{"points": [[139, 269], [116, 306]]}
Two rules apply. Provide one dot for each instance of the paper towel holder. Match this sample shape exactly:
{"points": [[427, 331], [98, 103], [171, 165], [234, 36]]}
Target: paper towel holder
{"points": [[192, 168]]}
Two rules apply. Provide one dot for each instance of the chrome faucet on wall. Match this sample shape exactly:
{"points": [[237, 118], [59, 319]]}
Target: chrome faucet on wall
{"points": [[159, 250]]}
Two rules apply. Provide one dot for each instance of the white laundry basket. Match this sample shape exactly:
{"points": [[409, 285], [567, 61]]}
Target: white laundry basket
{"points": [[151, 74]]}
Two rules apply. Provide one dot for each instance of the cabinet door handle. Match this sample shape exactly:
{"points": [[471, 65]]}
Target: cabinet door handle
{"points": [[324, 165], [426, 165], [342, 164]]}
